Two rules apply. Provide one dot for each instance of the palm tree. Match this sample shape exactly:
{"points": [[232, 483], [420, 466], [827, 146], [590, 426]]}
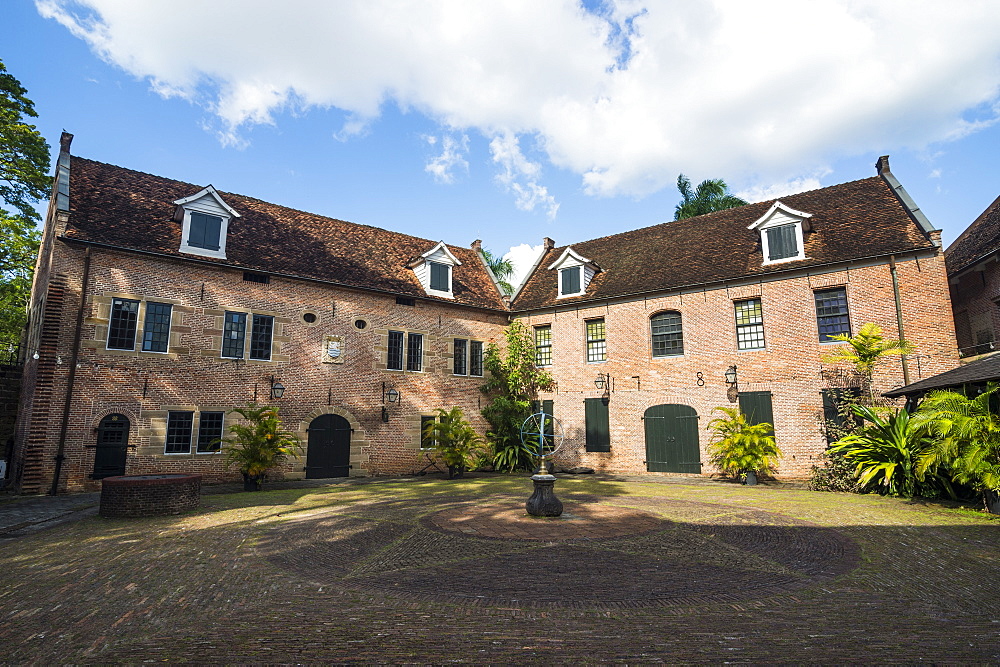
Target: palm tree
{"points": [[711, 195], [502, 269], [259, 444], [965, 438], [454, 439], [739, 448], [866, 349]]}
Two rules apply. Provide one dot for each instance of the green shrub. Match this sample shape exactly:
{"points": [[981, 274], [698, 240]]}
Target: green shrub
{"points": [[836, 474], [739, 447], [456, 441], [259, 445]]}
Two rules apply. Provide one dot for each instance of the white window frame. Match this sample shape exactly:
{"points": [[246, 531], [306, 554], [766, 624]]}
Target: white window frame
{"points": [[780, 215], [192, 204], [571, 259]]}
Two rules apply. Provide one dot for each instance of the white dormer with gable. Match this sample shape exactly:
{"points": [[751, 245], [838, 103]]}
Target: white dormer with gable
{"points": [[575, 273], [204, 219], [435, 271], [781, 235]]}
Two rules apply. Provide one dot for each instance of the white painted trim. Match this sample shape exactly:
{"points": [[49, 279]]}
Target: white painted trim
{"points": [[209, 191], [570, 258], [799, 240], [583, 281], [776, 208], [204, 252], [443, 248]]}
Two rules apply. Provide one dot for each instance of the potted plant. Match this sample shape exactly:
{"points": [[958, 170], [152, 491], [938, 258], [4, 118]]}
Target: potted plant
{"points": [[455, 441], [258, 445], [740, 449]]}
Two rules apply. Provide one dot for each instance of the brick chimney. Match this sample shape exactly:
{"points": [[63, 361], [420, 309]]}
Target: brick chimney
{"points": [[548, 244], [477, 245], [882, 165]]}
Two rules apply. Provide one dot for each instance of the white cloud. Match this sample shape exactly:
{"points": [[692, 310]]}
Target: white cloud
{"points": [[442, 167], [523, 257], [519, 175], [758, 193], [625, 96]]}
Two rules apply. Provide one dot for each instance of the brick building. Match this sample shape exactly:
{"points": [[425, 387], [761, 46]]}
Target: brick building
{"points": [[973, 262], [662, 313], [196, 301], [159, 306]]}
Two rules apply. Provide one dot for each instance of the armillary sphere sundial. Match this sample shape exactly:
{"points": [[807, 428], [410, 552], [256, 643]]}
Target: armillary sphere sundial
{"points": [[543, 435]]}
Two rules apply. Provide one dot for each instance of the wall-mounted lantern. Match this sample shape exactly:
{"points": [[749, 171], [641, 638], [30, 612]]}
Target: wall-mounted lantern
{"points": [[605, 382], [390, 395], [733, 392], [277, 389]]}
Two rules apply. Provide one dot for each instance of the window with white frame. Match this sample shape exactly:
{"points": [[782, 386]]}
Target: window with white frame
{"points": [[179, 427], [597, 349], [204, 219], [749, 324], [122, 324], [435, 270], [210, 425], [468, 357], [781, 233], [543, 345], [404, 350], [667, 334], [156, 327], [574, 273]]}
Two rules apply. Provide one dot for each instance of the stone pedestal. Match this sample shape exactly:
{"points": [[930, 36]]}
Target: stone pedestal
{"points": [[543, 501]]}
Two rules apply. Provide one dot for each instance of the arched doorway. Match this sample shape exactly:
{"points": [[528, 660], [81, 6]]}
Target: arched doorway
{"points": [[112, 446], [672, 439], [329, 447]]}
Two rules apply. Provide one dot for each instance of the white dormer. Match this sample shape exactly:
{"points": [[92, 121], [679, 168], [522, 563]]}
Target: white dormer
{"points": [[575, 273], [434, 270], [204, 219], [781, 233]]}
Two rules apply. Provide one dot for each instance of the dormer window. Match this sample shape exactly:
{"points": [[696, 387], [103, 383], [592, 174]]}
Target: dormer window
{"points": [[781, 236], [204, 219], [575, 273], [435, 271]]}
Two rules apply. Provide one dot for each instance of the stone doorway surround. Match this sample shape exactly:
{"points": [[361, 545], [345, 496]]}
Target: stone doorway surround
{"points": [[359, 441]]}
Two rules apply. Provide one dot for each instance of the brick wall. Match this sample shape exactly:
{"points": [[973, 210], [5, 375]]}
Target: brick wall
{"points": [[149, 496], [975, 294], [144, 386], [789, 367]]}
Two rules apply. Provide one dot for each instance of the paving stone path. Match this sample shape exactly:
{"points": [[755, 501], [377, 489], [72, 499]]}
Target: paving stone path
{"points": [[437, 571]]}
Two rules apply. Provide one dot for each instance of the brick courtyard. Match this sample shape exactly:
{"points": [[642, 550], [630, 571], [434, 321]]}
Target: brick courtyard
{"points": [[431, 570]]}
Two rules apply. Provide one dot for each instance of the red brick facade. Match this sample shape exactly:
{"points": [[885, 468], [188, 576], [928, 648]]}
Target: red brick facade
{"points": [[789, 366], [328, 288]]}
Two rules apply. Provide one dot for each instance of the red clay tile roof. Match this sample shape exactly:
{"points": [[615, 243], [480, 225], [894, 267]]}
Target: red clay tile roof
{"points": [[850, 221], [980, 239], [130, 209]]}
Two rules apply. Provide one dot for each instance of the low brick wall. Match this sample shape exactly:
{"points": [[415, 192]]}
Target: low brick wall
{"points": [[149, 495]]}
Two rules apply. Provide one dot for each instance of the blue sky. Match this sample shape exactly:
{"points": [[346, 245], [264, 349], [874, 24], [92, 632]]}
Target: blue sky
{"points": [[511, 121]]}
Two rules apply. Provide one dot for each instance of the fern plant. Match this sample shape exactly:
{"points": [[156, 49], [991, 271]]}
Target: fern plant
{"points": [[456, 441], [964, 436], [739, 447]]}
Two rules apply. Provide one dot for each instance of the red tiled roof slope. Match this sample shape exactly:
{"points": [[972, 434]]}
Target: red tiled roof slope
{"points": [[980, 239], [131, 209], [850, 221]]}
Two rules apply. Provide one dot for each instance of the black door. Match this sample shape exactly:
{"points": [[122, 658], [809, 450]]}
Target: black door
{"points": [[329, 453], [672, 439], [112, 444]]}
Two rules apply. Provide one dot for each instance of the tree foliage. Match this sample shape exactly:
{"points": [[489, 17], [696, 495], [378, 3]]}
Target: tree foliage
{"points": [[258, 445], [24, 154], [710, 195], [514, 382], [502, 269], [739, 447], [24, 167], [865, 349]]}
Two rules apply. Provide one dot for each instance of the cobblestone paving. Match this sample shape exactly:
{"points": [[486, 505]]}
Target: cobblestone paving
{"points": [[356, 574]]}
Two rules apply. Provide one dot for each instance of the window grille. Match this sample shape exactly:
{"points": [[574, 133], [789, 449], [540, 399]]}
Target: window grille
{"points": [[461, 352], [414, 352], [209, 431], [749, 325], [234, 335], [121, 328], [476, 358], [832, 317], [179, 432], [394, 357], [156, 327], [667, 334], [260, 337], [596, 345], [543, 346]]}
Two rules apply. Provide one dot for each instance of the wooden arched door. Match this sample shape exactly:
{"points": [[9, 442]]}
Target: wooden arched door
{"points": [[672, 439], [112, 446], [329, 447]]}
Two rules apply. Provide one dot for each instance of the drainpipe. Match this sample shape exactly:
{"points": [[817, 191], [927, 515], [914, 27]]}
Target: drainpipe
{"points": [[899, 315], [60, 453]]}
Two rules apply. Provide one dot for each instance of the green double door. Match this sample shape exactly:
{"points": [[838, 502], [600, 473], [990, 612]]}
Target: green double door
{"points": [[672, 439]]}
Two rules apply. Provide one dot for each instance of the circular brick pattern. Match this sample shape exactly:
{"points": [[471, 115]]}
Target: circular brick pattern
{"points": [[602, 555]]}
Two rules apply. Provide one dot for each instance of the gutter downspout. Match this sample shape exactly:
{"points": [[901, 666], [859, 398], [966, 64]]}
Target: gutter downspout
{"points": [[60, 453], [899, 316]]}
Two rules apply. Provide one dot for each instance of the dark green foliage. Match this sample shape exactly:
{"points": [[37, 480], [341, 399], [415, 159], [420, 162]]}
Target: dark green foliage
{"points": [[258, 444], [454, 439], [711, 195], [24, 168], [836, 474], [514, 382]]}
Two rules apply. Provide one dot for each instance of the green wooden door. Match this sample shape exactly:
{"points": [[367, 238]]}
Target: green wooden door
{"points": [[756, 405], [672, 439]]}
